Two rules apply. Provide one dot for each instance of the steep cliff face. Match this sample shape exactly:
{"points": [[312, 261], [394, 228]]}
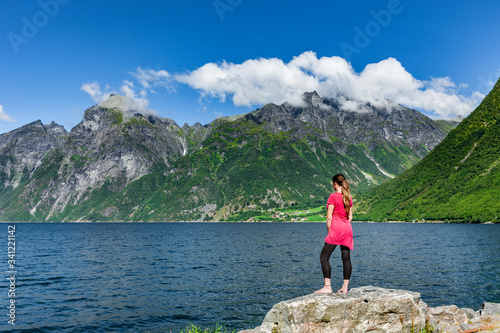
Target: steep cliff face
{"points": [[380, 131], [121, 164], [47, 171], [22, 150], [370, 125]]}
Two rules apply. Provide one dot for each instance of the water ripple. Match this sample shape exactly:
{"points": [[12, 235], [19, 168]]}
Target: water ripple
{"points": [[159, 277]]}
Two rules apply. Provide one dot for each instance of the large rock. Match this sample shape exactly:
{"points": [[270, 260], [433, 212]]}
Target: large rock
{"points": [[447, 318], [376, 310], [364, 309], [490, 308]]}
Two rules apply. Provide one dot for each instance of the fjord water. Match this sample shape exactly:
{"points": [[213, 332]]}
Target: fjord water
{"points": [[159, 277]]}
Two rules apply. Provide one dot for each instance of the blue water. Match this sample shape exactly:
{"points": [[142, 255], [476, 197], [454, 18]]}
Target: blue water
{"points": [[159, 277]]}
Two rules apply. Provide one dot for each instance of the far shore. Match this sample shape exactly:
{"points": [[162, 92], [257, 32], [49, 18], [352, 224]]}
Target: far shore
{"points": [[416, 222]]}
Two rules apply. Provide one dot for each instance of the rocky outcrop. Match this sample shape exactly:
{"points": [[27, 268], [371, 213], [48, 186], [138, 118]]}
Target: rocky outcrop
{"points": [[451, 319], [369, 124], [371, 309], [489, 309], [22, 150]]}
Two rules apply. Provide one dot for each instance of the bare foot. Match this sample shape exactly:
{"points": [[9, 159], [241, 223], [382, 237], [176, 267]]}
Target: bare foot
{"points": [[342, 290], [324, 290]]}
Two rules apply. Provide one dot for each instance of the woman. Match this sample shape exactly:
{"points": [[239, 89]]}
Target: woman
{"points": [[338, 222]]}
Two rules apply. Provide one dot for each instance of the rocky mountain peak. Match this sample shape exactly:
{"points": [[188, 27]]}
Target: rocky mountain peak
{"points": [[35, 127], [313, 99], [361, 122], [128, 107], [37, 123], [120, 102], [457, 119], [102, 115], [55, 129]]}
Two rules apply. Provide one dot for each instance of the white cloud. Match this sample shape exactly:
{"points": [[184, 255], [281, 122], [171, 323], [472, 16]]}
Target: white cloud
{"points": [[252, 82], [486, 84], [136, 102], [150, 78], [260, 81], [94, 90], [4, 116]]}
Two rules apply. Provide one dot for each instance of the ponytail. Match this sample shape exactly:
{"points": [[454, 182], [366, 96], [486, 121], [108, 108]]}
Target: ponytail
{"points": [[346, 192]]}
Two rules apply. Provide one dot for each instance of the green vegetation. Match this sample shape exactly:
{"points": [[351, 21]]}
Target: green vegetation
{"points": [[195, 329], [115, 114], [15, 206], [139, 120], [79, 161], [386, 155], [290, 214], [446, 125], [458, 181]]}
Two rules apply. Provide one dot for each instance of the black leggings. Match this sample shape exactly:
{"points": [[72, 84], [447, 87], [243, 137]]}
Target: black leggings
{"points": [[346, 260]]}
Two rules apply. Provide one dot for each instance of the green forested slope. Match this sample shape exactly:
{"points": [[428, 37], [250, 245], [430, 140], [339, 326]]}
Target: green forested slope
{"points": [[458, 181]]}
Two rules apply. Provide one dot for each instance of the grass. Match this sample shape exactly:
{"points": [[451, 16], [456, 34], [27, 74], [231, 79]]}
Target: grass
{"points": [[217, 329], [428, 328]]}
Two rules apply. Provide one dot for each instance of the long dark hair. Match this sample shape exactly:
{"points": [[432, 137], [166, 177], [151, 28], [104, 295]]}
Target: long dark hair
{"points": [[340, 180]]}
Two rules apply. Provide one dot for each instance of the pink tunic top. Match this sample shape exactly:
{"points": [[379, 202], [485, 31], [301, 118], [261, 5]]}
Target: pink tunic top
{"points": [[341, 229]]}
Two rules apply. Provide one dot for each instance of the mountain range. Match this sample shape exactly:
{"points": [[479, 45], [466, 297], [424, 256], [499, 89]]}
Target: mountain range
{"points": [[119, 164]]}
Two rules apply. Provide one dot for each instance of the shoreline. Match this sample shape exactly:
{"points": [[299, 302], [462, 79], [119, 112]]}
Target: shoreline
{"points": [[144, 222]]}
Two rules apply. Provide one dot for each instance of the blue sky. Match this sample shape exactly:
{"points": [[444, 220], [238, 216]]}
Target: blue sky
{"points": [[193, 61]]}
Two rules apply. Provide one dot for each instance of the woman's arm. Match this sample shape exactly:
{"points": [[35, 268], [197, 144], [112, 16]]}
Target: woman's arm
{"points": [[329, 215]]}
